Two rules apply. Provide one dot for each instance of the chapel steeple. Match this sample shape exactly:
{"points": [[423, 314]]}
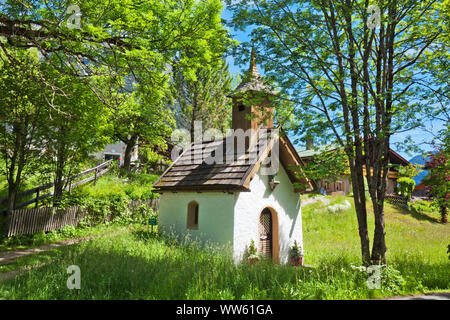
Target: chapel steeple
{"points": [[252, 100]]}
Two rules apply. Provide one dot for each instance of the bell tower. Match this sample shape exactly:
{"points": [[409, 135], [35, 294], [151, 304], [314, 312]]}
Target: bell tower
{"points": [[252, 101]]}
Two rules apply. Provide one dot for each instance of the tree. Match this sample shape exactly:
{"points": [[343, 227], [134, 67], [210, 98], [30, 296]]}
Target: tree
{"points": [[204, 98], [115, 41], [137, 116], [118, 37], [22, 114], [438, 180], [405, 180], [356, 71], [406, 186], [75, 128], [328, 166], [409, 171]]}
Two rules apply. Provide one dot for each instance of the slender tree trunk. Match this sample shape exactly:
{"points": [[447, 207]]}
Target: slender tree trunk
{"points": [[381, 143], [16, 167], [12, 194], [131, 143], [61, 155], [361, 215], [59, 178], [443, 214], [356, 149]]}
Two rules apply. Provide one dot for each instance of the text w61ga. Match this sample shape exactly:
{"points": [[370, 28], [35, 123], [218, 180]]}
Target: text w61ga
{"points": [[245, 309]]}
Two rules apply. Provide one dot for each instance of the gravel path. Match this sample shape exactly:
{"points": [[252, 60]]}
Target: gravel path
{"points": [[8, 257], [315, 199], [427, 296]]}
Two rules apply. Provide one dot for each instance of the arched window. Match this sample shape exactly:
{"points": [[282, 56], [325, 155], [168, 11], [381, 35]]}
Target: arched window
{"points": [[192, 216]]}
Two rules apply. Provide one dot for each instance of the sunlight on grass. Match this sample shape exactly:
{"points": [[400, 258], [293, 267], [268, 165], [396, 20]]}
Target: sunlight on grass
{"points": [[142, 265]]}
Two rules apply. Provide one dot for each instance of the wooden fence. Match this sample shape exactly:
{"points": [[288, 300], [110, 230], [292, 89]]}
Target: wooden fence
{"points": [[34, 220], [98, 171], [397, 200], [152, 203]]}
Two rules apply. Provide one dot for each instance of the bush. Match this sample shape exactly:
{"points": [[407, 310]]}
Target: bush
{"points": [[406, 186], [422, 206]]}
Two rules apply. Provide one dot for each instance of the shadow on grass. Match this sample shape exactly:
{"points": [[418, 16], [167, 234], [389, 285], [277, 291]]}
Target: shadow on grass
{"points": [[421, 216], [143, 265], [115, 271]]}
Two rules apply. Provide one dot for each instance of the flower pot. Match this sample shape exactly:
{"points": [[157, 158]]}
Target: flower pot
{"points": [[253, 260], [297, 261]]}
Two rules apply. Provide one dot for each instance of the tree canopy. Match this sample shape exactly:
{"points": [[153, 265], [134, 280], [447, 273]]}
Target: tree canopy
{"points": [[355, 69]]}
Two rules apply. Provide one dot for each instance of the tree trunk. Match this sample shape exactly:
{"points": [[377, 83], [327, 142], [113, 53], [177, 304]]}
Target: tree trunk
{"points": [[379, 239], [361, 214], [61, 154], [59, 182], [355, 148], [443, 214], [193, 118], [17, 163], [12, 195], [128, 150]]}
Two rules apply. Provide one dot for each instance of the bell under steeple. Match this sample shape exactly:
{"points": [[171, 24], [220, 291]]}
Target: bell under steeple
{"points": [[252, 100]]}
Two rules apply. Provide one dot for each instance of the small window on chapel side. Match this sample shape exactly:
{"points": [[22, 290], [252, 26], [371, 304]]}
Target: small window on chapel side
{"points": [[192, 216]]}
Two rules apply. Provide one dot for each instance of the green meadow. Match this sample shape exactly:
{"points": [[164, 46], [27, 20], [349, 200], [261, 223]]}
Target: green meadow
{"points": [[140, 264]]}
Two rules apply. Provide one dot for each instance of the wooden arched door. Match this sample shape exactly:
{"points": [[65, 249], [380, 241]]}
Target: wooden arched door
{"points": [[265, 233]]}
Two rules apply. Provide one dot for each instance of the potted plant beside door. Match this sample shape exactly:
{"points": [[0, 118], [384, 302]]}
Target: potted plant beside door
{"points": [[253, 256], [296, 255]]}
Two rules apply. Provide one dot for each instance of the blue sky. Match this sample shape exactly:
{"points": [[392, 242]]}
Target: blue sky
{"points": [[419, 136]]}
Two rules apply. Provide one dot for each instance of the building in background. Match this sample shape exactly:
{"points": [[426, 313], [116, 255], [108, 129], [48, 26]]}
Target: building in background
{"points": [[116, 151], [342, 186]]}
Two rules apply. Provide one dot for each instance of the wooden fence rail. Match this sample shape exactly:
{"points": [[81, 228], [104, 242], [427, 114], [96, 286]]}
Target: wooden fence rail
{"points": [[34, 220], [397, 200], [99, 171]]}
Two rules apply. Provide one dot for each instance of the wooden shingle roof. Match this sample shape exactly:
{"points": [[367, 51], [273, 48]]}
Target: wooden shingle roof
{"points": [[216, 166]]}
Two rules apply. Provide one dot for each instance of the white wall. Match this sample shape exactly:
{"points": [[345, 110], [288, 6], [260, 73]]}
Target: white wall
{"points": [[219, 224], [249, 206], [215, 216]]}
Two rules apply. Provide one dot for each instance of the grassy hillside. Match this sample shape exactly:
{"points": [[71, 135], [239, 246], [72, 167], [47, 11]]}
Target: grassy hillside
{"points": [[141, 265]]}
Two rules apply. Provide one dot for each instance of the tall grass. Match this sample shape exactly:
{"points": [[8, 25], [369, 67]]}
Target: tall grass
{"points": [[134, 186], [143, 265], [140, 266]]}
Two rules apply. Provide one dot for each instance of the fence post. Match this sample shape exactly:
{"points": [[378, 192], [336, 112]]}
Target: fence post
{"points": [[95, 179], [37, 198]]}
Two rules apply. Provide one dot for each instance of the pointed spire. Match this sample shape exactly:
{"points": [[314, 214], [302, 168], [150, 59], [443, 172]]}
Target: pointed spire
{"points": [[253, 69], [252, 79]]}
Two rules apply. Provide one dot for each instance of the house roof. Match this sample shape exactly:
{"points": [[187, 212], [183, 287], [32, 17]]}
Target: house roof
{"points": [[394, 157], [195, 169], [306, 153]]}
